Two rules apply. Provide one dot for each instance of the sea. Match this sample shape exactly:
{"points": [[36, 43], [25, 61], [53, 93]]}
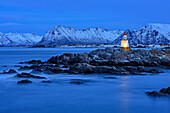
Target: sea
{"points": [[125, 94]]}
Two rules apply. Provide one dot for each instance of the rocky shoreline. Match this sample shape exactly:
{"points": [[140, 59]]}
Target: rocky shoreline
{"points": [[109, 60]]}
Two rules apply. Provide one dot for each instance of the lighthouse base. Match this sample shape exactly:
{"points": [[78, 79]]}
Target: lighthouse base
{"points": [[125, 48]]}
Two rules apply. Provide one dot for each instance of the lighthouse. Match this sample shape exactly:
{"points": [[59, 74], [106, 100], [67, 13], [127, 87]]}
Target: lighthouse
{"points": [[125, 43]]}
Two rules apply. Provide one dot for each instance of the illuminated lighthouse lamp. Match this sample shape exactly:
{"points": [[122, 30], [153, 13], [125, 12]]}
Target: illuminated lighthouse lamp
{"points": [[124, 43]]}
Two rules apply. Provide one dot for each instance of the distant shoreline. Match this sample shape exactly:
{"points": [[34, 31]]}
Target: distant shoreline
{"points": [[92, 46]]}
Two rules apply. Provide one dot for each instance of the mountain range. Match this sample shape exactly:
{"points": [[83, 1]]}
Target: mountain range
{"points": [[61, 35], [19, 39], [149, 34]]}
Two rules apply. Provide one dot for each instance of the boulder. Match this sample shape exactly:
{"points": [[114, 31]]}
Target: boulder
{"points": [[11, 71], [165, 91], [155, 94], [46, 81], [110, 77], [79, 81], [162, 92], [24, 81], [76, 82]]}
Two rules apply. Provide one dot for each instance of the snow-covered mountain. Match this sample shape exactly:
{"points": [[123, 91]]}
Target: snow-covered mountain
{"points": [[18, 39], [60, 35], [65, 35], [149, 34], [163, 29]]}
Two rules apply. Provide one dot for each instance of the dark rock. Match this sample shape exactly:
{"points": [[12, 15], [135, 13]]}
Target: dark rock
{"points": [[35, 66], [10, 71], [83, 68], [109, 60], [17, 66], [54, 60], [110, 77], [149, 70], [34, 62], [28, 75], [37, 70], [46, 81], [52, 70], [162, 92], [24, 67], [64, 66], [21, 62], [76, 82], [79, 81], [155, 94], [24, 81], [37, 46], [165, 90], [168, 90]]}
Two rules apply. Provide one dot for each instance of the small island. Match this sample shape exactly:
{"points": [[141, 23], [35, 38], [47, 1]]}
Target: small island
{"points": [[109, 60]]}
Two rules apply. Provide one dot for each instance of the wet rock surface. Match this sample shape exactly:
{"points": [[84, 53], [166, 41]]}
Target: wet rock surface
{"points": [[9, 71], [109, 60], [24, 81], [76, 82], [79, 81], [110, 77], [46, 81], [162, 92], [32, 62], [28, 75]]}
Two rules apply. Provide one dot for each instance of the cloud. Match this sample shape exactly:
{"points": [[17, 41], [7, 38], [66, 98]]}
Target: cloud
{"points": [[10, 24]]}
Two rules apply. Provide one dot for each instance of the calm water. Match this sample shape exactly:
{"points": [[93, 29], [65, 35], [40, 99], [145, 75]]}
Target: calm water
{"points": [[126, 94]]}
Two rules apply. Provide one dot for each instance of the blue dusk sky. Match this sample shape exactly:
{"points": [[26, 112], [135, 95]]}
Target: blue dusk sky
{"points": [[37, 16]]}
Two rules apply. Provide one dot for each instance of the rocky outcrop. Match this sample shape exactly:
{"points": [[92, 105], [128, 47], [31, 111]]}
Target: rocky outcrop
{"points": [[162, 92], [79, 81], [109, 60], [24, 81], [46, 81], [110, 77], [32, 62], [10, 71]]}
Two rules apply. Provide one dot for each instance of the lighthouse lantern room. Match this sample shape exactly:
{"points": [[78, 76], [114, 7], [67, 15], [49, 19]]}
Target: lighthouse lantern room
{"points": [[125, 43]]}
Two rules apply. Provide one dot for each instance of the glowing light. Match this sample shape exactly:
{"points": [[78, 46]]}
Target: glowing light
{"points": [[124, 43]]}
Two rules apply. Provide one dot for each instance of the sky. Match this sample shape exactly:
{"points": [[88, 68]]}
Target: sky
{"points": [[38, 16]]}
